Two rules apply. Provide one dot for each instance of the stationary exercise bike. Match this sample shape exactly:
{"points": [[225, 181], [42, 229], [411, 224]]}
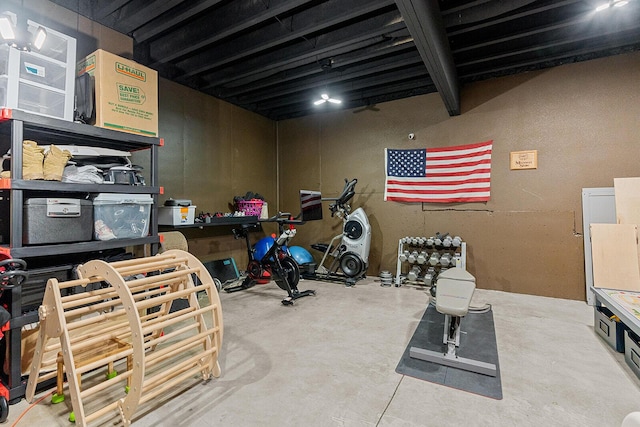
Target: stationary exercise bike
{"points": [[270, 259], [349, 258]]}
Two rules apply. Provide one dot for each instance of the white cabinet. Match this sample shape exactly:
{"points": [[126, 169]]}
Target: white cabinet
{"points": [[41, 82]]}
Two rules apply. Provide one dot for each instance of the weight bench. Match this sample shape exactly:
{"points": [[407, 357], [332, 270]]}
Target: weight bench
{"points": [[454, 289]]}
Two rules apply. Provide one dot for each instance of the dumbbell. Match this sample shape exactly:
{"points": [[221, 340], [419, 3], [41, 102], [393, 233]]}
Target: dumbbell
{"points": [[434, 259], [428, 278], [457, 257], [404, 256], [422, 257], [413, 274], [445, 260], [413, 257]]}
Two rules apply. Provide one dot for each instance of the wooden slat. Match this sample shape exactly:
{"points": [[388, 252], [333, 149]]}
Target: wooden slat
{"points": [[627, 192], [96, 335], [614, 249]]}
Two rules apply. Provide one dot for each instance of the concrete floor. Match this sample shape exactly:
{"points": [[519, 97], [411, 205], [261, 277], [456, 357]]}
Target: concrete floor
{"points": [[330, 360]]}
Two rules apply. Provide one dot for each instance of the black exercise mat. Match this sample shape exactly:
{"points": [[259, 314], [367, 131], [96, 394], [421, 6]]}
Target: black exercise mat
{"points": [[477, 342]]}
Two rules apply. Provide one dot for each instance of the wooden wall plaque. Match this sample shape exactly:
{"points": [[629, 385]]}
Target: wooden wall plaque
{"points": [[527, 159]]}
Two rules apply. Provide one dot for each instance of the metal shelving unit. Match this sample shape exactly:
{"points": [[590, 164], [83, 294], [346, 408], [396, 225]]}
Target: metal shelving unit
{"points": [[16, 126]]}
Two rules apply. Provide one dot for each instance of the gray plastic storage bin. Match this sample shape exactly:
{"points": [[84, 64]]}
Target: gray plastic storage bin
{"points": [[608, 328], [57, 220], [632, 351], [121, 216]]}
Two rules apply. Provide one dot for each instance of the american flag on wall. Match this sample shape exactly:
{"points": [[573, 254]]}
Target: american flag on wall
{"points": [[439, 175]]}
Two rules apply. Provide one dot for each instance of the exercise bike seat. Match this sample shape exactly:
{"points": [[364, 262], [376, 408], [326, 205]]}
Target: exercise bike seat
{"points": [[454, 290]]}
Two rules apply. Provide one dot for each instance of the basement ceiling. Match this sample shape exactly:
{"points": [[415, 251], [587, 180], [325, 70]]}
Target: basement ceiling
{"points": [[275, 57]]}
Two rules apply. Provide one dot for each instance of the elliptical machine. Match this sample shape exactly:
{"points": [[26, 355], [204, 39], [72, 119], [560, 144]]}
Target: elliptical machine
{"points": [[349, 258]]}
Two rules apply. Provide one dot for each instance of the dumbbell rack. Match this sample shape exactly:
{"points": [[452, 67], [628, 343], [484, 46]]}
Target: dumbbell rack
{"points": [[458, 256]]}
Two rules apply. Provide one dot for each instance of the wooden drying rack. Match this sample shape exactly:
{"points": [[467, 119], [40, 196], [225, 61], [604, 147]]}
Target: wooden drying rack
{"points": [[128, 318]]}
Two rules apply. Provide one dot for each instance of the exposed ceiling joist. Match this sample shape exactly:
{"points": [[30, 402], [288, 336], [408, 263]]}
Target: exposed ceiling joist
{"points": [[424, 22], [395, 63], [106, 8], [345, 39], [267, 56], [135, 18], [299, 26], [232, 20], [361, 56], [157, 26]]}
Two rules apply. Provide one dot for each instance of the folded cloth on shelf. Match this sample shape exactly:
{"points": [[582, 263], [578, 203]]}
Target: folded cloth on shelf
{"points": [[82, 174]]}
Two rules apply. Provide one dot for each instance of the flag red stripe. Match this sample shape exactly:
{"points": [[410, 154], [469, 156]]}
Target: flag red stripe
{"points": [[458, 165], [431, 157], [459, 147], [446, 191], [460, 174], [443, 183], [445, 200]]}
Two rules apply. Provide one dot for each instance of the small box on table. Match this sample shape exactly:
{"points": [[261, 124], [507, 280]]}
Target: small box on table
{"points": [[176, 215]]}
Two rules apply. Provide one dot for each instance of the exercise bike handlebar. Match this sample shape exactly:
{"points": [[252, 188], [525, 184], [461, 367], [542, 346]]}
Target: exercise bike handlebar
{"points": [[343, 199], [284, 218]]}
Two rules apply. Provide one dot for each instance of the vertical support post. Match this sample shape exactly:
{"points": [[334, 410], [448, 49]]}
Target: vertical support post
{"points": [[399, 265]]}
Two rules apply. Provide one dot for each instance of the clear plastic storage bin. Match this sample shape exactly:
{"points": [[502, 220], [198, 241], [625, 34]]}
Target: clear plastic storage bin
{"points": [[121, 216], [3, 91], [4, 59], [41, 101], [37, 69]]}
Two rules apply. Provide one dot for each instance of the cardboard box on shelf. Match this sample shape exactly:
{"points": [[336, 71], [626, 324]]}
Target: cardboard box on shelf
{"points": [[126, 93]]}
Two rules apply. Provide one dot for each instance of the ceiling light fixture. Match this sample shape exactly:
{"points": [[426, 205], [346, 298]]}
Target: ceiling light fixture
{"points": [[39, 38], [326, 98], [611, 3], [6, 27], [326, 65], [16, 33]]}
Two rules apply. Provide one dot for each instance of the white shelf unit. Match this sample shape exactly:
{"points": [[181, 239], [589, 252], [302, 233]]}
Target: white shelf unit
{"points": [[401, 277], [43, 81]]}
